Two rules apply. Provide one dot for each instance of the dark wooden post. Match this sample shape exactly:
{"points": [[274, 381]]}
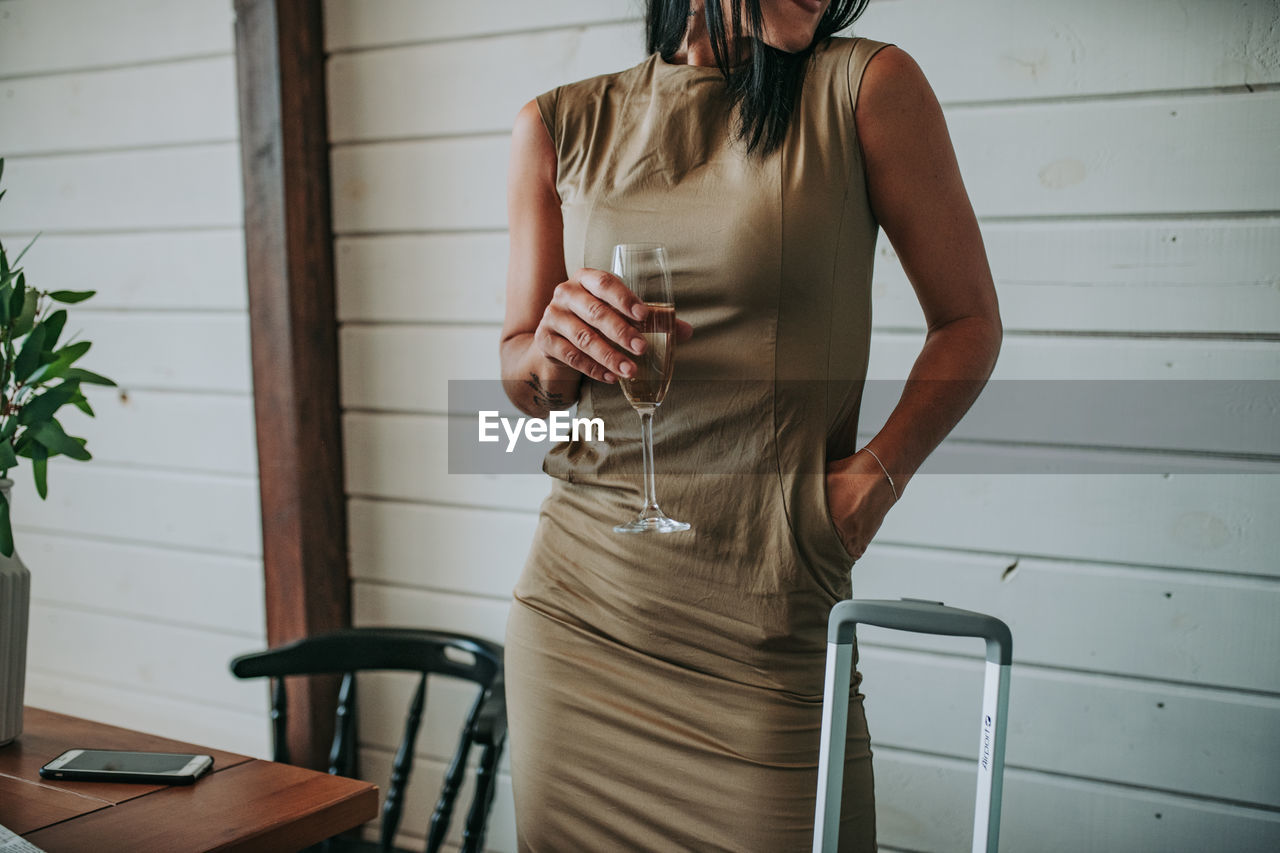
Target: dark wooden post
{"points": [[289, 247]]}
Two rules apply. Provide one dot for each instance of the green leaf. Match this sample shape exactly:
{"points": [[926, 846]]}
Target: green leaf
{"points": [[40, 471], [65, 357], [9, 428], [5, 293], [8, 459], [29, 356], [88, 377], [6, 529], [56, 441], [72, 352], [70, 297], [19, 296], [25, 319], [47, 404], [53, 325], [81, 402]]}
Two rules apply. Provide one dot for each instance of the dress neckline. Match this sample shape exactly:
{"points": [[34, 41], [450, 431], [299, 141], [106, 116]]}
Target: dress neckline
{"points": [[683, 68]]}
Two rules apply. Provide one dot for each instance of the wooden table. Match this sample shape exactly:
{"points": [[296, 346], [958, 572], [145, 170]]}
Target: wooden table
{"points": [[245, 804]]}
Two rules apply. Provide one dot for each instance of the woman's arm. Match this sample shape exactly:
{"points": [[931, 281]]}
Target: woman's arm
{"points": [[920, 201], [557, 328]]}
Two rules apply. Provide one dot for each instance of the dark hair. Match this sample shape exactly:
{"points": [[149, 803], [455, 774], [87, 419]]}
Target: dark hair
{"points": [[763, 89]]}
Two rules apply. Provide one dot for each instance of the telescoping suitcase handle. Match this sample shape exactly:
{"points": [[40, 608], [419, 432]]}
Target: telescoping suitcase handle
{"points": [[922, 617]]}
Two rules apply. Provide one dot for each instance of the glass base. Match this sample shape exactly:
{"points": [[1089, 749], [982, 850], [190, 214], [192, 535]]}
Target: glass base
{"points": [[658, 523]]}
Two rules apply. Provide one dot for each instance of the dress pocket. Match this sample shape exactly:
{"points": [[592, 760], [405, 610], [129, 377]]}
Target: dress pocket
{"points": [[832, 532]]}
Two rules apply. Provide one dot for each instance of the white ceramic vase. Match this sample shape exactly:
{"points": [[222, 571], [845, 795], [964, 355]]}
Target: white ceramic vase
{"points": [[15, 605]]}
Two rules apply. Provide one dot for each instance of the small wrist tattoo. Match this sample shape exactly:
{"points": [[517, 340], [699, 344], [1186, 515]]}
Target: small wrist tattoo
{"points": [[544, 398]]}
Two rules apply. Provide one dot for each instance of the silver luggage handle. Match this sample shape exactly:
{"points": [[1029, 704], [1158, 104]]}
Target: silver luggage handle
{"points": [[922, 617]]}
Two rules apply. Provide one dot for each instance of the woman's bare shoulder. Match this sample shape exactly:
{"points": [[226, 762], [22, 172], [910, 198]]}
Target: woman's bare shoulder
{"points": [[893, 83]]}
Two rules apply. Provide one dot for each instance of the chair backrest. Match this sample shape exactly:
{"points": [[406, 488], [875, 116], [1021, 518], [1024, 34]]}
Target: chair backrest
{"points": [[428, 653]]}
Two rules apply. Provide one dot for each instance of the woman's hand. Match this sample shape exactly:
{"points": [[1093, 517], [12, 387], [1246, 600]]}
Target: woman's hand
{"points": [[589, 325], [859, 497]]}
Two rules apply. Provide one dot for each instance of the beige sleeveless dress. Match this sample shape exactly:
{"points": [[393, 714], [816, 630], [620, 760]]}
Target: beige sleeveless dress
{"points": [[665, 691]]}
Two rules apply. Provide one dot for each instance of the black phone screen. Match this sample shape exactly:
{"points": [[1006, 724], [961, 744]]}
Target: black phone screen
{"points": [[128, 762]]}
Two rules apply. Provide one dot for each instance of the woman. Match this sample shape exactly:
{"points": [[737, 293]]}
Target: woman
{"points": [[665, 690]]}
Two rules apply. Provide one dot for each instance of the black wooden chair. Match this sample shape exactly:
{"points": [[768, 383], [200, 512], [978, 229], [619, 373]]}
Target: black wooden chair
{"points": [[429, 653]]}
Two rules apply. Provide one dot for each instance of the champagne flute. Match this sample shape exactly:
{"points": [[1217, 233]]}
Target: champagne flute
{"points": [[643, 267]]}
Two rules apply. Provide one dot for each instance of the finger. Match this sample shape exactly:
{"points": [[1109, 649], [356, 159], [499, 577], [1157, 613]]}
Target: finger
{"points": [[684, 331], [590, 342], [598, 314], [613, 290], [561, 349]]}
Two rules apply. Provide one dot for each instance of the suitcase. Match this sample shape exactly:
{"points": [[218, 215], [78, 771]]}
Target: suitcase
{"points": [[922, 617]]}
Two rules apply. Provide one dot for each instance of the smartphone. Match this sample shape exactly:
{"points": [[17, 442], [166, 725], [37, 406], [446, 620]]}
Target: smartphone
{"points": [[113, 765]]}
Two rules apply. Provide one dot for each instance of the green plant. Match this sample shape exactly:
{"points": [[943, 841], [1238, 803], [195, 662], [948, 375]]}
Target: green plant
{"points": [[37, 378]]}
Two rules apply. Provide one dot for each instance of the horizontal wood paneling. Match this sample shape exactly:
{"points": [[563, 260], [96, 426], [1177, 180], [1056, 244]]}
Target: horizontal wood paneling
{"points": [[405, 457], [1211, 522], [167, 104], [1081, 724], [169, 430], [217, 593], [364, 106], [194, 186], [167, 660], [170, 351], [376, 358], [1203, 153], [1044, 357], [42, 36], [201, 512], [376, 604], [352, 23], [1199, 276], [1178, 154], [1015, 49], [1144, 276], [437, 277], [465, 551], [382, 187], [926, 803], [1196, 521], [408, 367], [245, 732], [1174, 625], [188, 271], [361, 106]]}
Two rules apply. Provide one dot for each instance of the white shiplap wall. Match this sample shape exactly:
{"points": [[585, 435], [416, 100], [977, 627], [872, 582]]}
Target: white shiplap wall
{"points": [[1123, 161], [119, 129]]}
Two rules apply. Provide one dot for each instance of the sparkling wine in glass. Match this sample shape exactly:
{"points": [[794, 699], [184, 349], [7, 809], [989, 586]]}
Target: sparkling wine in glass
{"points": [[643, 267]]}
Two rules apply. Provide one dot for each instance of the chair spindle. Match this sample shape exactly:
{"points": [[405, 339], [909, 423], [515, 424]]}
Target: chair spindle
{"points": [[279, 721], [343, 751], [403, 764]]}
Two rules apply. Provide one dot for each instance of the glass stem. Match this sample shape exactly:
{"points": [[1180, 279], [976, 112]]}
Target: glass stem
{"points": [[646, 439]]}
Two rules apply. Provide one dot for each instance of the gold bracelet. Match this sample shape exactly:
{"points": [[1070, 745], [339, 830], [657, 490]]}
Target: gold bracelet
{"points": [[892, 487]]}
